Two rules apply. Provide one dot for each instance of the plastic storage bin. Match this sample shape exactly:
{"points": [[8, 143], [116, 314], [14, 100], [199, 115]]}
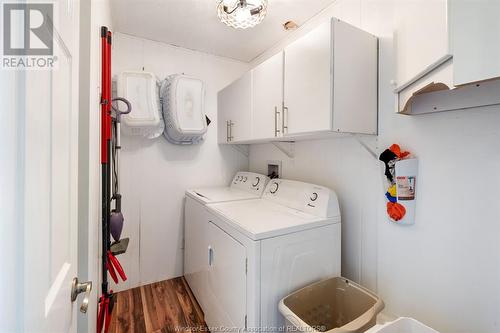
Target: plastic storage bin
{"points": [[183, 99], [140, 89], [336, 305], [402, 325]]}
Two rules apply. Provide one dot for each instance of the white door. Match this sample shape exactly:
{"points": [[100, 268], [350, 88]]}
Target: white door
{"points": [[226, 281], [308, 82], [235, 107], [267, 97], [46, 202]]}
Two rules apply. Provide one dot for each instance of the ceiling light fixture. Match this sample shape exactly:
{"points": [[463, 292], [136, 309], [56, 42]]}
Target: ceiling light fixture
{"points": [[242, 14]]}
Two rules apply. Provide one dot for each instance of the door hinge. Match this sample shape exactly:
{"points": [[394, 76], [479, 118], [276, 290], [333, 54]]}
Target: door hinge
{"points": [[246, 266], [245, 322]]}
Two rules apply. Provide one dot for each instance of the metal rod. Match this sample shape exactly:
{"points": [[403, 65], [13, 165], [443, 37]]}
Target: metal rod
{"points": [[105, 149], [276, 129], [106, 238], [104, 156], [284, 123]]}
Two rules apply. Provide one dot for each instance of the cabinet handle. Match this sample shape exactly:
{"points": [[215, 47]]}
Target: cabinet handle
{"points": [[284, 123], [276, 129], [210, 255], [231, 130]]}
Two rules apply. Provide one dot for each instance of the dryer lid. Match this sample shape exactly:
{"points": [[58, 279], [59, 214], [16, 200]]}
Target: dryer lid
{"points": [[309, 198]]}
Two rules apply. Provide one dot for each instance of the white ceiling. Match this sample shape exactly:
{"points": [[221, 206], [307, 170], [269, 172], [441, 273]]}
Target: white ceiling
{"points": [[194, 24]]}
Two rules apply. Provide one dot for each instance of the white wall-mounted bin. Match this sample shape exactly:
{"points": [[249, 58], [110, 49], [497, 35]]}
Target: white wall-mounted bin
{"points": [[183, 106], [141, 90], [406, 172]]}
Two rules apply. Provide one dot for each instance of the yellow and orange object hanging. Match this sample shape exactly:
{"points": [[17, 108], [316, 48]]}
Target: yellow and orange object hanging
{"points": [[389, 157]]}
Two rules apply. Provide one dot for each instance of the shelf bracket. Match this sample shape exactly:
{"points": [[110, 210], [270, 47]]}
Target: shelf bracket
{"points": [[363, 144], [286, 147], [243, 149], [464, 97]]}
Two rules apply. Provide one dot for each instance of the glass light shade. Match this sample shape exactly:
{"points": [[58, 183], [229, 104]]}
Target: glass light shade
{"points": [[238, 16]]}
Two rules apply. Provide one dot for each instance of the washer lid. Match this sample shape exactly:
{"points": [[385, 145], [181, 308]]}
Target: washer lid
{"points": [[260, 218], [220, 194]]}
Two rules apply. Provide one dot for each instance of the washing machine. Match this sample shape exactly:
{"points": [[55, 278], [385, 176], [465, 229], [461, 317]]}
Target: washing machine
{"points": [[262, 250], [244, 186]]}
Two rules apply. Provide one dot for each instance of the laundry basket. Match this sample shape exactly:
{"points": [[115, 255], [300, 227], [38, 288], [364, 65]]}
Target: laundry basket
{"points": [[336, 305], [402, 325]]}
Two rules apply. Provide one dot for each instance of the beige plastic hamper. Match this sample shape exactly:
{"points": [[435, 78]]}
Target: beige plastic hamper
{"points": [[336, 305]]}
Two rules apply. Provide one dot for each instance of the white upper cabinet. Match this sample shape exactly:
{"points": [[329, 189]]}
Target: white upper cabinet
{"points": [[421, 37], [322, 83], [308, 82], [475, 37], [235, 111], [444, 44], [267, 97], [331, 81], [355, 80]]}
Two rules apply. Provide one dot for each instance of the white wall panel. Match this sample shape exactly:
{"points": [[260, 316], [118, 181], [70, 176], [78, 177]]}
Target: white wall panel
{"points": [[155, 173]]}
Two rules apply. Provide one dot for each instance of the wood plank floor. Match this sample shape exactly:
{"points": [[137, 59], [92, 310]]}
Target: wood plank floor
{"points": [[167, 306]]}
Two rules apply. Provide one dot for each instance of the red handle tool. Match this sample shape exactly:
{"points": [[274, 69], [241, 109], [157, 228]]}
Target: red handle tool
{"points": [[104, 315], [115, 266]]}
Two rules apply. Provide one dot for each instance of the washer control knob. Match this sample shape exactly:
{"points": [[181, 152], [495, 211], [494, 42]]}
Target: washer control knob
{"points": [[275, 189], [314, 196], [257, 181]]}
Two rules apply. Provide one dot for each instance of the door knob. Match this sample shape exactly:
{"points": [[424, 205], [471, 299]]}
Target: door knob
{"points": [[78, 288]]}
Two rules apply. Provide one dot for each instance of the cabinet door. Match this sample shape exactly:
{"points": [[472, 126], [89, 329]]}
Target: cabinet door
{"points": [[421, 36], [354, 80], [226, 280], [475, 37], [235, 106], [308, 82], [267, 91]]}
